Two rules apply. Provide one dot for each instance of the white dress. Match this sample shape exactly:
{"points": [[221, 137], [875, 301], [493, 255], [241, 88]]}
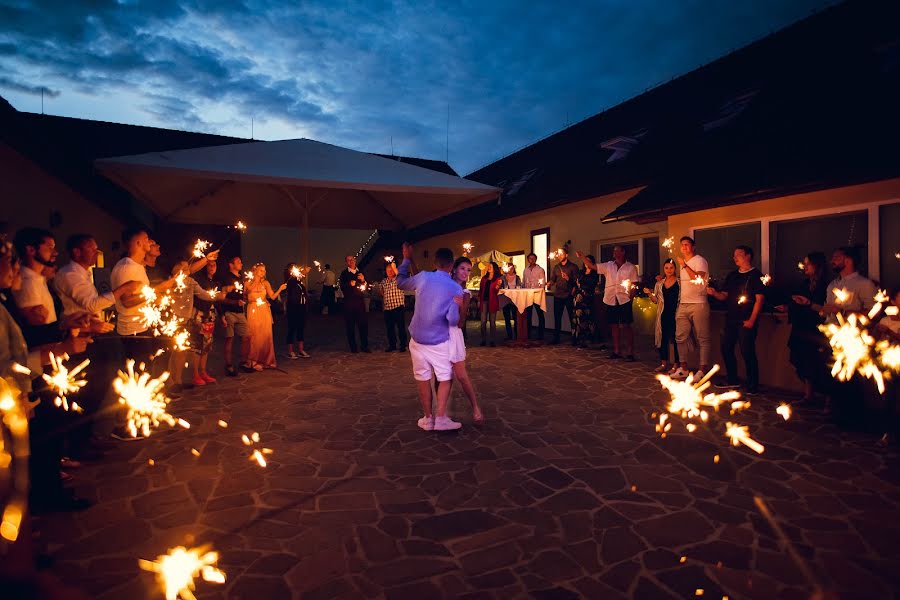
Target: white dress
{"points": [[457, 345]]}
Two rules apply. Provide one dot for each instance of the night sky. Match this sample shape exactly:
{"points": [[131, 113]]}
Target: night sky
{"points": [[359, 73]]}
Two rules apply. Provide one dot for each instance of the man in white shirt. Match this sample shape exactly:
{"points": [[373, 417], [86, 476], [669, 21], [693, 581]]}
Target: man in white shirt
{"points": [[850, 292], [37, 250], [692, 316], [621, 281], [534, 277], [74, 283], [326, 299]]}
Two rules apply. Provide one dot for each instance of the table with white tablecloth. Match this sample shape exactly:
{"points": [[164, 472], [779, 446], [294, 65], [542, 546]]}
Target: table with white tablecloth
{"points": [[523, 298]]}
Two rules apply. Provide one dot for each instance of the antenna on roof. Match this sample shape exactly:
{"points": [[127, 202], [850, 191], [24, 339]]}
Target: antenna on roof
{"points": [[251, 128], [448, 133], [42, 99], [392, 145]]}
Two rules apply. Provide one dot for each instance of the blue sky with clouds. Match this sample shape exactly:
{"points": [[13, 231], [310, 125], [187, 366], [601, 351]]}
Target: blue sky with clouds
{"points": [[359, 73]]}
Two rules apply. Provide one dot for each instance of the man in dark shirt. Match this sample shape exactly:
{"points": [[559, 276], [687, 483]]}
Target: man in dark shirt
{"points": [[562, 284], [353, 286], [744, 295], [233, 317], [208, 280]]}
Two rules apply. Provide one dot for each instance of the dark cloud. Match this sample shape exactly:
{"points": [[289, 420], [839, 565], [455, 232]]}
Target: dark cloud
{"points": [[359, 73]]}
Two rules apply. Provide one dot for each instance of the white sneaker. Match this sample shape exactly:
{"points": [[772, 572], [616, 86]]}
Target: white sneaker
{"points": [[445, 424], [303, 354], [293, 355], [679, 373], [426, 423]]}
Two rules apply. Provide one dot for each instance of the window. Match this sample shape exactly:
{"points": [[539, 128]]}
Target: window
{"points": [[517, 258], [791, 240], [650, 260], [890, 246], [717, 245], [540, 245], [622, 145], [730, 110], [518, 183]]}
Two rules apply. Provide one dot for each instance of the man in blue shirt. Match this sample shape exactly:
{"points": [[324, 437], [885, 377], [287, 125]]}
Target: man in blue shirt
{"points": [[435, 313]]}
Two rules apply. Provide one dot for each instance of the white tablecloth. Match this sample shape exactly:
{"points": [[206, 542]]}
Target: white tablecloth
{"points": [[525, 297]]}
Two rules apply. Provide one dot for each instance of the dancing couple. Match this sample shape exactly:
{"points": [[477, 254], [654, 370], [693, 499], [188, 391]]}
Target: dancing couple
{"points": [[437, 348]]}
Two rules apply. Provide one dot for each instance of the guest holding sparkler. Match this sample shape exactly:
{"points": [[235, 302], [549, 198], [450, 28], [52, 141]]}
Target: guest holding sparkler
{"points": [[491, 281], [665, 296], [430, 332], [295, 305], [206, 311], [460, 274], [511, 281], [394, 302], [326, 299], [621, 282], [353, 286], [259, 319], [692, 317], [850, 292], [534, 277], [585, 288], [233, 318], [809, 349], [744, 295], [890, 326], [198, 323], [562, 282], [37, 251]]}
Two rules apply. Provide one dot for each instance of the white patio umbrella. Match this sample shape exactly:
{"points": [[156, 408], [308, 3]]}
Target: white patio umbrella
{"points": [[291, 182]]}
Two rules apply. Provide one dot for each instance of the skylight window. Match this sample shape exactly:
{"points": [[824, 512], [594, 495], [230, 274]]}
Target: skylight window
{"points": [[513, 189], [622, 145], [730, 110]]}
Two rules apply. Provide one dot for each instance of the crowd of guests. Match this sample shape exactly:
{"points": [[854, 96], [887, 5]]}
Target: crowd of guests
{"points": [[52, 307]]}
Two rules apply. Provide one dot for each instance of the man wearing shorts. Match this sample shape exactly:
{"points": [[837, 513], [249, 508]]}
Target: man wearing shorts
{"points": [[430, 332], [233, 317], [621, 281]]}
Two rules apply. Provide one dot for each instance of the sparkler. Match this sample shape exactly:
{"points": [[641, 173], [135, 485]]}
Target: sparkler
{"points": [[890, 355], [182, 340], [240, 226], [841, 295], [880, 298], [506, 268], [388, 259], [177, 570], [852, 346], [260, 301], [363, 287], [258, 453], [766, 279], [14, 457], [626, 283], [318, 265], [892, 311], [213, 293], [145, 399], [740, 435], [742, 299], [296, 272], [248, 275], [784, 410], [238, 287], [148, 293], [65, 382], [467, 247], [669, 243], [698, 280], [556, 254], [200, 248], [180, 285], [801, 266]]}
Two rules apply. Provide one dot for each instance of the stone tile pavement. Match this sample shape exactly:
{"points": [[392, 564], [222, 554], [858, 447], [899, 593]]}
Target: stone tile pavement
{"points": [[566, 491]]}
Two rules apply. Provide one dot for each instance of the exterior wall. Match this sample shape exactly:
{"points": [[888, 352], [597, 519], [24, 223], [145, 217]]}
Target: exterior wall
{"points": [[29, 196], [776, 369]]}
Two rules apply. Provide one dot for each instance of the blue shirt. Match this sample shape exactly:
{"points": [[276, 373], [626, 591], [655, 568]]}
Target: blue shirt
{"points": [[433, 315]]}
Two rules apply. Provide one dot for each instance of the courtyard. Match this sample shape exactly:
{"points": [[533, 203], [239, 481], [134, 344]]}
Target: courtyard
{"points": [[566, 491]]}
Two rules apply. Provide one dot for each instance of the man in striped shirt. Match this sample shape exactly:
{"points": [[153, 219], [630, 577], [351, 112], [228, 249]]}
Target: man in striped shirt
{"points": [[394, 301]]}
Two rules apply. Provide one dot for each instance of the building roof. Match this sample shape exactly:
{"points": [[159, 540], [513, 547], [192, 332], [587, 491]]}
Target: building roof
{"points": [[435, 165], [811, 106]]}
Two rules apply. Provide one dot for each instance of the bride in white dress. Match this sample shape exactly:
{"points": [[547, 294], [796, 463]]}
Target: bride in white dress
{"points": [[460, 274]]}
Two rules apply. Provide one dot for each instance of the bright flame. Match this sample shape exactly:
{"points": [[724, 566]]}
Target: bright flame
{"points": [[880, 298], [258, 454], [784, 410], [145, 399], [742, 299], [506, 268], [852, 345], [698, 280], [388, 259], [740, 435], [248, 275], [240, 226], [200, 247], [295, 272], [669, 243], [801, 266], [841, 295], [182, 340], [213, 293], [467, 247], [766, 279], [177, 570], [180, 285], [260, 301], [238, 286], [65, 382]]}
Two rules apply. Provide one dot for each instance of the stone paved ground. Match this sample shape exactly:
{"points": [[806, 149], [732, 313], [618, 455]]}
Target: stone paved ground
{"points": [[566, 491]]}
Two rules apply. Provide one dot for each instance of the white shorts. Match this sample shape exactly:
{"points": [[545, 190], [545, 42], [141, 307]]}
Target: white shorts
{"points": [[457, 345], [428, 359]]}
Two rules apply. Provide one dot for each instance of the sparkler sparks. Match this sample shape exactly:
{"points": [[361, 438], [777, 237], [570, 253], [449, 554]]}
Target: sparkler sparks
{"points": [[260, 301], [213, 293], [65, 382], [145, 399], [742, 299], [669, 243], [181, 340], [389, 259], [238, 287], [296, 272], [880, 298], [258, 453], [784, 410], [248, 275], [739, 435], [200, 248], [177, 570], [852, 346], [698, 280], [14, 459], [363, 287], [467, 247], [627, 285], [148, 293], [506, 268], [556, 254], [801, 266], [766, 279], [180, 285], [841, 296], [240, 226]]}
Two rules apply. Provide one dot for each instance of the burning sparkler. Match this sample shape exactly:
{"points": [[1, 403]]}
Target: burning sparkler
{"points": [[240, 226], [669, 244], [389, 259], [65, 382], [213, 293], [766, 279], [148, 293], [260, 301], [363, 287], [880, 298], [145, 399], [742, 299], [182, 340], [852, 346], [248, 275], [177, 570], [238, 287], [626, 283], [801, 266], [506, 268], [467, 247], [841, 296], [180, 285], [296, 272], [200, 248], [258, 453], [740, 435], [318, 265], [698, 280], [784, 410], [556, 254], [14, 458]]}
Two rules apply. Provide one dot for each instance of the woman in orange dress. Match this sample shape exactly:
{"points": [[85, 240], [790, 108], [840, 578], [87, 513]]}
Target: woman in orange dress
{"points": [[259, 319]]}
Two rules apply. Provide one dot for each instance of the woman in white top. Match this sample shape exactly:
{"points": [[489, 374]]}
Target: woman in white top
{"points": [[460, 274]]}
